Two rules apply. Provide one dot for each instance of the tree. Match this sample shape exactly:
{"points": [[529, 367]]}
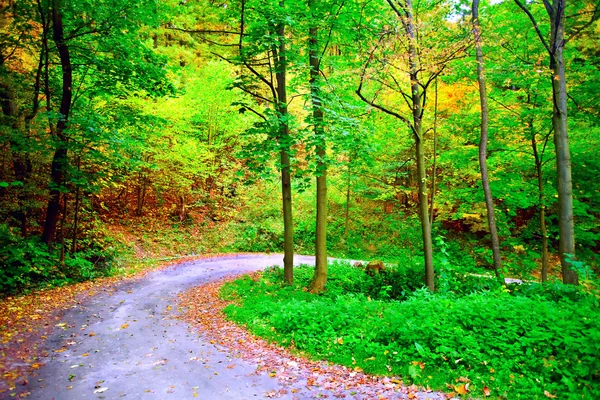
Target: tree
{"points": [[489, 200], [59, 160], [422, 68], [264, 64], [555, 49]]}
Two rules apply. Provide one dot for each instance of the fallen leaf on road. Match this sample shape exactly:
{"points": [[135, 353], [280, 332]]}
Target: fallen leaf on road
{"points": [[101, 390]]}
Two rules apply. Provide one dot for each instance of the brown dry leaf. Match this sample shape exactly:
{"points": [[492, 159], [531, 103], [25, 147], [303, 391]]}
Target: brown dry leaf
{"points": [[91, 334], [486, 391], [549, 395]]}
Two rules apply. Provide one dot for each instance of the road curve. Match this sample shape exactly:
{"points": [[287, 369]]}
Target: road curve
{"points": [[128, 343]]}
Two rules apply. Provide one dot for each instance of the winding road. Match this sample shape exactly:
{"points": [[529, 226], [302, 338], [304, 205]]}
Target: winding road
{"points": [[128, 343]]}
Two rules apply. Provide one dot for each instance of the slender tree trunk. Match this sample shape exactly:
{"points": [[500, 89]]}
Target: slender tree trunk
{"points": [[76, 213], [561, 141], [320, 276], [76, 221], [542, 201], [417, 112], [489, 201], [60, 158], [433, 169], [284, 143], [62, 228], [347, 208]]}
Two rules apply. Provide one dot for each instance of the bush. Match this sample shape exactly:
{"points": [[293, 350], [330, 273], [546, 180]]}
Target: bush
{"points": [[541, 338], [28, 263]]}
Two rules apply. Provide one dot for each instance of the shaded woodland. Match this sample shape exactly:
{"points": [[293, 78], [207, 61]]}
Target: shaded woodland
{"points": [[353, 129]]}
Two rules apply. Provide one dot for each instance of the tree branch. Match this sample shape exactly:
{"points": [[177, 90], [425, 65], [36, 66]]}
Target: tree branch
{"points": [[535, 25]]}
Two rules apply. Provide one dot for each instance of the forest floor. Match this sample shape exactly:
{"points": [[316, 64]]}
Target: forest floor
{"points": [[162, 336]]}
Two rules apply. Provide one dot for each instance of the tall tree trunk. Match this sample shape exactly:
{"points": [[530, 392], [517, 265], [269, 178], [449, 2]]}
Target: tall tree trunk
{"points": [[542, 200], [320, 276], [60, 158], [347, 207], [561, 141], [433, 169], [489, 201], [284, 143], [417, 111], [76, 212], [62, 228]]}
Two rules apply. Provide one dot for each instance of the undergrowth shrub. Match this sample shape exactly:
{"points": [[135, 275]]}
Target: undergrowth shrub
{"points": [[27, 263], [537, 340]]}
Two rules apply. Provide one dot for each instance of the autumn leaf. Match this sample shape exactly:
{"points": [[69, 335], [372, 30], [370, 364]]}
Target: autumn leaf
{"points": [[549, 395], [124, 326], [462, 389], [486, 391]]}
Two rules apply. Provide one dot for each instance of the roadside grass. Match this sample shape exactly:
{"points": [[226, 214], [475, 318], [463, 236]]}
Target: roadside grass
{"points": [[473, 338]]}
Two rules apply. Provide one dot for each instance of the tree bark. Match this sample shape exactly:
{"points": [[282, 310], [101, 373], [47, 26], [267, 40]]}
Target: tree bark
{"points": [[489, 200], [433, 168], [284, 143], [542, 200], [561, 141], [319, 279], [417, 112], [60, 158], [347, 207]]}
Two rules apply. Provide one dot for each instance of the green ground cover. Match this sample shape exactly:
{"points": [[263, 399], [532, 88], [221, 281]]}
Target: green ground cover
{"points": [[534, 341]]}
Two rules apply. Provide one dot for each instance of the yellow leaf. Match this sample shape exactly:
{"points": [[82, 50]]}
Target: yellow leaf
{"points": [[549, 395], [85, 354], [340, 340], [461, 389], [124, 326]]}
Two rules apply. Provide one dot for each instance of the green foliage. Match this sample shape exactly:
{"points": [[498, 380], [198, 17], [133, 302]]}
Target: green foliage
{"points": [[27, 264], [537, 338]]}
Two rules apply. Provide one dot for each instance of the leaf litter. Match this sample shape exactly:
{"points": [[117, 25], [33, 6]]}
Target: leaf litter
{"points": [[303, 378], [27, 320]]}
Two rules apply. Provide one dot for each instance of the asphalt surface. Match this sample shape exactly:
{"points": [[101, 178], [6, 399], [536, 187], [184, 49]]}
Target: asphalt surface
{"points": [[128, 343]]}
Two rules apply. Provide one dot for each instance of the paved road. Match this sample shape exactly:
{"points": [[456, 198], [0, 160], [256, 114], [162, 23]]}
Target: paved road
{"points": [[128, 344]]}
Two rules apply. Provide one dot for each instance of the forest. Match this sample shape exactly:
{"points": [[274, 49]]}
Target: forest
{"points": [[450, 146]]}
